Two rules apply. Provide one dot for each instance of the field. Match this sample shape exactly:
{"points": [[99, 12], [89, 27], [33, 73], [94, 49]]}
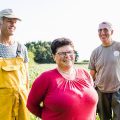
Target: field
{"points": [[37, 69]]}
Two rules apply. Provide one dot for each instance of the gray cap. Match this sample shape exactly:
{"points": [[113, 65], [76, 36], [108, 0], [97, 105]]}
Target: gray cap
{"points": [[105, 25], [8, 13]]}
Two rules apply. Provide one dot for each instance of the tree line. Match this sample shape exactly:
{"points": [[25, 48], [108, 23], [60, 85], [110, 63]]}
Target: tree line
{"points": [[42, 52]]}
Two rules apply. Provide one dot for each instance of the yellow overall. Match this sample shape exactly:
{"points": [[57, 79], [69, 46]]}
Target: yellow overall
{"points": [[13, 93]]}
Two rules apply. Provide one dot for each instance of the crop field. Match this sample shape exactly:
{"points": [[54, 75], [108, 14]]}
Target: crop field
{"points": [[37, 69]]}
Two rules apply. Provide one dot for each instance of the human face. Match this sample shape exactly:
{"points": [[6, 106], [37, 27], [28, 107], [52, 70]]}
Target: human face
{"points": [[65, 57], [8, 26], [105, 35]]}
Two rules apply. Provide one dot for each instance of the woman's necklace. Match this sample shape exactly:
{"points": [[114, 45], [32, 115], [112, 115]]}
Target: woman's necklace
{"points": [[69, 75]]}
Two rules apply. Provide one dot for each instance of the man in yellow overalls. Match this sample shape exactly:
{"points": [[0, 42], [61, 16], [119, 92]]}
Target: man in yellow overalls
{"points": [[13, 70]]}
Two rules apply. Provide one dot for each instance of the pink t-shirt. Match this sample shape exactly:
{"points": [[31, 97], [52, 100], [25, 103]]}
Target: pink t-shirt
{"points": [[63, 99]]}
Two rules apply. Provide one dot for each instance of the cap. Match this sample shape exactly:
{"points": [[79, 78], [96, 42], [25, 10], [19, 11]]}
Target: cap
{"points": [[8, 13], [105, 25]]}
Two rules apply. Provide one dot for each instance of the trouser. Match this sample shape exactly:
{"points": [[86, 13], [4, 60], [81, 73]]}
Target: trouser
{"points": [[13, 93], [109, 105], [13, 105]]}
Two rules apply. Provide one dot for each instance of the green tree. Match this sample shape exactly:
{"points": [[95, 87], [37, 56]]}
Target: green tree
{"points": [[42, 51]]}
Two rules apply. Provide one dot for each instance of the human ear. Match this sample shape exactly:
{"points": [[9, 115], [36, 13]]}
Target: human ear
{"points": [[54, 57], [111, 32]]}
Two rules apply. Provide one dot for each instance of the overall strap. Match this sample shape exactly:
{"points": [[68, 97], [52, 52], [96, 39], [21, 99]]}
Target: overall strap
{"points": [[19, 49]]}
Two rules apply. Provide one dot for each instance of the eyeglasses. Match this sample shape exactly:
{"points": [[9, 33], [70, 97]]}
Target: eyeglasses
{"points": [[63, 54]]}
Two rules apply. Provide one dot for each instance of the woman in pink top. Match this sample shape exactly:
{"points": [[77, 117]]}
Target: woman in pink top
{"points": [[67, 93]]}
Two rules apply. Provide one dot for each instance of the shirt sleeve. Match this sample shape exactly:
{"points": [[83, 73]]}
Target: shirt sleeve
{"points": [[89, 78], [92, 61], [25, 55], [37, 94]]}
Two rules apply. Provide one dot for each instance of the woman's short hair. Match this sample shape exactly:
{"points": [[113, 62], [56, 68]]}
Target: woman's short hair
{"points": [[60, 42]]}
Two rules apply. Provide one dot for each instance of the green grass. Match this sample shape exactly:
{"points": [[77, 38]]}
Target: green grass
{"points": [[37, 69]]}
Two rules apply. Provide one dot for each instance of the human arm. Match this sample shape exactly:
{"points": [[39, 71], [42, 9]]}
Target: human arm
{"points": [[92, 73], [37, 95], [27, 76], [26, 60], [92, 66]]}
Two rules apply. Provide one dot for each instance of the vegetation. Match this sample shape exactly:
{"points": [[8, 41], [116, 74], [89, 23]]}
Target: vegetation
{"points": [[42, 52]]}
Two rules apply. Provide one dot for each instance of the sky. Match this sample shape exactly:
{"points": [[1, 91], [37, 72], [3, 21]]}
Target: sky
{"points": [[77, 20]]}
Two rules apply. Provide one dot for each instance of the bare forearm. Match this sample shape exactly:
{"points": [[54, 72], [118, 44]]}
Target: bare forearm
{"points": [[27, 77], [92, 73]]}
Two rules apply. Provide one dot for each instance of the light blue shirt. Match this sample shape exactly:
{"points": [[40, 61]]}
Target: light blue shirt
{"points": [[11, 51]]}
